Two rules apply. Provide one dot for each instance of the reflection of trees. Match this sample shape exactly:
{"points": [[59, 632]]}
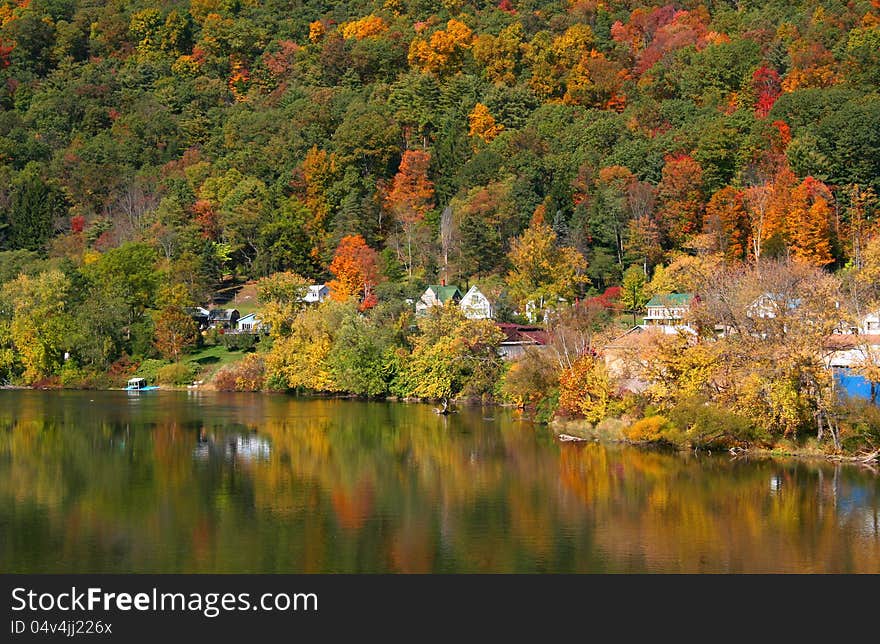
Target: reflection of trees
{"points": [[667, 512], [150, 485]]}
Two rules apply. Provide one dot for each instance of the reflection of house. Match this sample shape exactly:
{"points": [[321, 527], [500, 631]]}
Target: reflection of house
{"points": [[248, 448], [475, 305], [239, 447], [669, 309], [437, 295], [518, 337], [316, 294], [223, 318], [250, 323]]}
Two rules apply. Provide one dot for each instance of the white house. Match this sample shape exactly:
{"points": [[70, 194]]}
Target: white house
{"points": [[668, 309], [868, 324], [476, 306], [437, 295], [250, 323], [316, 294]]}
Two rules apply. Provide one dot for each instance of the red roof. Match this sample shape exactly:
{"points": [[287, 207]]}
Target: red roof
{"points": [[521, 333], [850, 341]]}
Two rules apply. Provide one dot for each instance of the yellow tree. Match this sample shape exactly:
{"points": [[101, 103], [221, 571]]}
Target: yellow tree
{"points": [[365, 27], [317, 173], [443, 53], [585, 390], [40, 326], [543, 272], [175, 332], [483, 125], [299, 360], [281, 296], [568, 48], [500, 55], [316, 31]]}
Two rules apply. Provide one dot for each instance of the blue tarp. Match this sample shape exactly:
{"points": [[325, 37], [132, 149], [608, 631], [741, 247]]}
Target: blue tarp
{"points": [[853, 385]]}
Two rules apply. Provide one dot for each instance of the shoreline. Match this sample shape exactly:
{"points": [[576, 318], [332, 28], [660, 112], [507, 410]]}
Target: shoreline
{"points": [[607, 431]]}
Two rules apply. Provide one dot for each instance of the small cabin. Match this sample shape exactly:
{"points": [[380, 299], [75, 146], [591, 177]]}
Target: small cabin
{"points": [[316, 294], [519, 337], [437, 295], [225, 319], [250, 323]]}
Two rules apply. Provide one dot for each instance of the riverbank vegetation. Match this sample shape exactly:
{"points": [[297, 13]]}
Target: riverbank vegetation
{"points": [[574, 159]]}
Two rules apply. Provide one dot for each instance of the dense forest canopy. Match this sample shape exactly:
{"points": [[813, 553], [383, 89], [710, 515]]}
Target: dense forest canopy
{"points": [[236, 135], [541, 148]]}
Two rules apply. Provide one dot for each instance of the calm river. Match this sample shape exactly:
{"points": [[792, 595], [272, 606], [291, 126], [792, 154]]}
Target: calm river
{"points": [[207, 482]]}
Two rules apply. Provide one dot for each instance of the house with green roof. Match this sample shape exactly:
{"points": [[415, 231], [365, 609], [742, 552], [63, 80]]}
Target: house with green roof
{"points": [[668, 309], [437, 295]]}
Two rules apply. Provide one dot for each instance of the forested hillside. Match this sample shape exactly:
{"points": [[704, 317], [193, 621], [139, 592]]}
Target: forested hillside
{"points": [[542, 148]]}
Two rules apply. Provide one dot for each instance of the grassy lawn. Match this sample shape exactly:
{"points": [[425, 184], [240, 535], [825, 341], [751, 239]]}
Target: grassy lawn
{"points": [[211, 359], [245, 300]]}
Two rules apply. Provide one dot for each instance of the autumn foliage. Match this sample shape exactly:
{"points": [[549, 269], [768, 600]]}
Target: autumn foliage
{"points": [[365, 27], [443, 52], [726, 221], [809, 223], [412, 193], [175, 332], [767, 88], [355, 268], [681, 198], [482, 124], [584, 390]]}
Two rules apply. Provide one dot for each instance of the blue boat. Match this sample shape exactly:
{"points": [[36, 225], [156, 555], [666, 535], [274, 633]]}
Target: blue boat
{"points": [[139, 384]]}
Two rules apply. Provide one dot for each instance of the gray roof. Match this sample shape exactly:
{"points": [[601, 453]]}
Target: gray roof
{"points": [[225, 315]]}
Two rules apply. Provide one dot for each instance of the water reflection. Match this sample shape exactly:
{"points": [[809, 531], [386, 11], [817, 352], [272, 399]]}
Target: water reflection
{"points": [[232, 447], [249, 483]]}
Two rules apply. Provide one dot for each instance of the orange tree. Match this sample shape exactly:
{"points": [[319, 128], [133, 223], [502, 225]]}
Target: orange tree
{"points": [[355, 268]]}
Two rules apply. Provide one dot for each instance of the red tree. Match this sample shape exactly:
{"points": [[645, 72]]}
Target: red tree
{"points": [[767, 87], [207, 219], [5, 50]]}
